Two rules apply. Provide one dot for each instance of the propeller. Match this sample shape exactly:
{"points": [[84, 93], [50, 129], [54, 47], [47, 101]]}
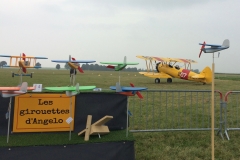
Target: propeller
{"points": [[24, 59], [23, 55], [79, 68], [138, 93], [112, 67], [203, 45]]}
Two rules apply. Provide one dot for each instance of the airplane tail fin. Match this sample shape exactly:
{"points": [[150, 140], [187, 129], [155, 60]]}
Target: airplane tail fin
{"points": [[207, 73], [118, 87], [226, 43], [23, 87], [77, 87], [125, 60], [73, 93]]}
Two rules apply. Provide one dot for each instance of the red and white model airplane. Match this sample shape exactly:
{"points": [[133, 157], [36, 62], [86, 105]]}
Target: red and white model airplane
{"points": [[11, 92], [15, 91]]}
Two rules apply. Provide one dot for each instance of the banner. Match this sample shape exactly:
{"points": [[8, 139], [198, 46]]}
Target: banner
{"points": [[43, 113]]}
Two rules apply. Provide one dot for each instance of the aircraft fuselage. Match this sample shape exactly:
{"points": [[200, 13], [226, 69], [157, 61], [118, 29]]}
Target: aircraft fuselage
{"points": [[177, 72]]}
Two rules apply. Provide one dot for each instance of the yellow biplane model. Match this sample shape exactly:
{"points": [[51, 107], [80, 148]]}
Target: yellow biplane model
{"points": [[22, 62], [168, 68]]}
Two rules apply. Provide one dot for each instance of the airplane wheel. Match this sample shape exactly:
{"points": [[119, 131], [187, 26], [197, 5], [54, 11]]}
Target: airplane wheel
{"points": [[157, 80], [12, 74], [169, 80], [31, 75]]}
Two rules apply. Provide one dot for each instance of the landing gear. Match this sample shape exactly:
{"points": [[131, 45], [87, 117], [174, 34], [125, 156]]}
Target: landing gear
{"points": [[169, 80], [157, 80]]}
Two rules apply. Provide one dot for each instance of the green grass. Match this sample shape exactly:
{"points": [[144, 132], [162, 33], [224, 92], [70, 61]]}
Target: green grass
{"points": [[62, 138], [155, 145], [233, 77]]}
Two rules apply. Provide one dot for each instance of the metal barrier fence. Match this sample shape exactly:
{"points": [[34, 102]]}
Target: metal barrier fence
{"points": [[175, 110], [231, 112]]}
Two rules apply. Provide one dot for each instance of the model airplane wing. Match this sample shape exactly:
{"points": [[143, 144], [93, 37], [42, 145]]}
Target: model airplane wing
{"points": [[5, 56], [14, 88], [14, 91], [119, 63], [76, 61], [212, 45], [125, 89], [23, 57], [73, 88]]}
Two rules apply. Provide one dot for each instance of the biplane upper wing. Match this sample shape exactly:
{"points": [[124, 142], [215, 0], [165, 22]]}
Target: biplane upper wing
{"points": [[145, 57], [5, 56], [164, 59], [23, 57]]}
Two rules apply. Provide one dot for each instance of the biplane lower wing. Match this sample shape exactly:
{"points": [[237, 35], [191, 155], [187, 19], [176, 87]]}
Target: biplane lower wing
{"points": [[156, 75], [24, 66]]}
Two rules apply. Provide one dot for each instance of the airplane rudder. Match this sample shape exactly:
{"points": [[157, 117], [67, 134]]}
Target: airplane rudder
{"points": [[207, 72], [125, 59], [226, 43], [24, 87]]}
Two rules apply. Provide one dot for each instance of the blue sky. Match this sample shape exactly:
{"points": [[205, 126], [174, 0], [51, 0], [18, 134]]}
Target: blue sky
{"points": [[106, 30]]}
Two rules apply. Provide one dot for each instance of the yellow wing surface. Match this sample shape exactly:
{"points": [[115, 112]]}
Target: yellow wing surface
{"points": [[164, 59], [155, 75]]}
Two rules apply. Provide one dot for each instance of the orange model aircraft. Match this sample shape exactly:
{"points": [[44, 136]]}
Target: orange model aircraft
{"points": [[167, 68], [22, 62]]}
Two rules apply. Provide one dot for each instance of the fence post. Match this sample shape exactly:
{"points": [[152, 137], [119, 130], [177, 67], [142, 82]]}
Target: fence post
{"points": [[221, 121]]}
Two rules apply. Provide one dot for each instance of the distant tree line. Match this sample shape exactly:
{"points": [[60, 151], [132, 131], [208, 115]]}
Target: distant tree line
{"points": [[2, 63]]}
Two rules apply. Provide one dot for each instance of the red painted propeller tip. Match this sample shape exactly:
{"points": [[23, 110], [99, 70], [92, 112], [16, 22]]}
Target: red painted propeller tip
{"points": [[109, 66], [139, 95], [80, 69], [23, 56], [24, 70], [202, 48]]}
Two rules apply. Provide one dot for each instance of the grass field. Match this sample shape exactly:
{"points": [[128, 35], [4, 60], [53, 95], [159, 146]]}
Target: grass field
{"points": [[157, 145]]}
